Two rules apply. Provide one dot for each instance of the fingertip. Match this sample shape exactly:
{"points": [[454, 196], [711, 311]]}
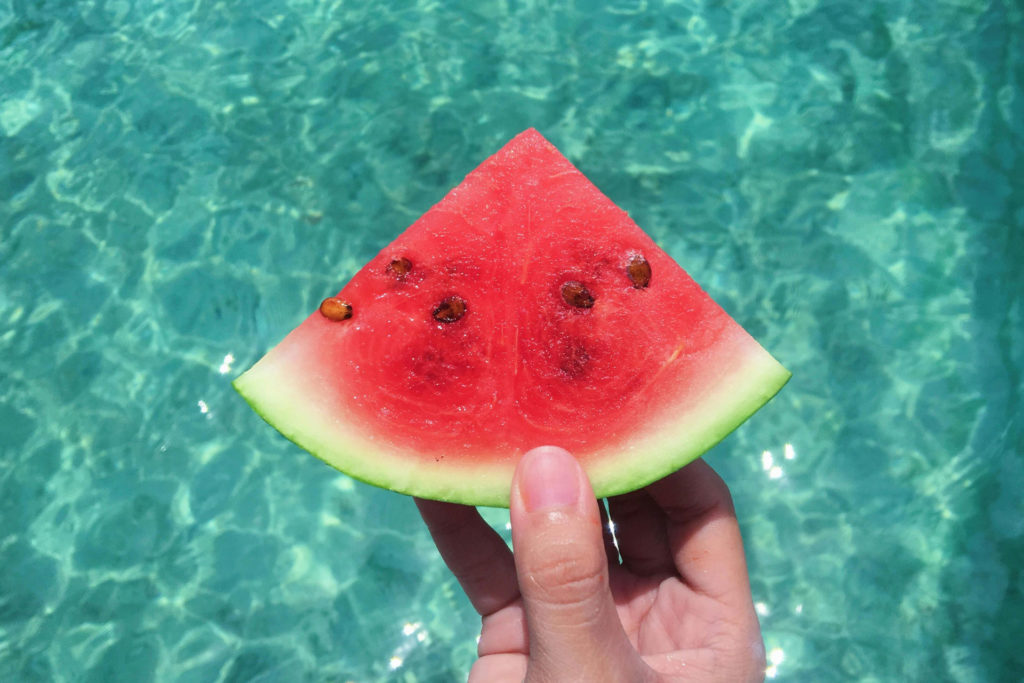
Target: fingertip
{"points": [[547, 478], [691, 492], [545, 450], [437, 513]]}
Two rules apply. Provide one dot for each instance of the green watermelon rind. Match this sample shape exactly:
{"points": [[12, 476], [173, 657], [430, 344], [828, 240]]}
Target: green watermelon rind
{"points": [[282, 388], [739, 395]]}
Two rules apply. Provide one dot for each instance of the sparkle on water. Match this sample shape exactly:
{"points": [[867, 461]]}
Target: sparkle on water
{"points": [[181, 182]]}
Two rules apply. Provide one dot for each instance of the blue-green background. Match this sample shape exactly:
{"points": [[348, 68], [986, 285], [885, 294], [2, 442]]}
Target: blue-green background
{"points": [[181, 181]]}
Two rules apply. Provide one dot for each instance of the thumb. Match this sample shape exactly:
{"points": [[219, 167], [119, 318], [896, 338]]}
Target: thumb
{"points": [[574, 630]]}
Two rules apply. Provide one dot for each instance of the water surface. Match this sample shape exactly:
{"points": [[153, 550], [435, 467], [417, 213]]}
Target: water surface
{"points": [[181, 182]]}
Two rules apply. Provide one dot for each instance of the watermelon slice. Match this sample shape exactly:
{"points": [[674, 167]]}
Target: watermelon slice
{"points": [[523, 309]]}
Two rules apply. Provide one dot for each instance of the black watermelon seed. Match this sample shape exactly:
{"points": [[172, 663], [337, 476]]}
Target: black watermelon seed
{"points": [[450, 310], [576, 295], [400, 267]]}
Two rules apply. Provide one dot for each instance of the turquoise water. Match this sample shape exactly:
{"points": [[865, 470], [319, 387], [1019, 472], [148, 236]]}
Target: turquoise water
{"points": [[180, 182]]}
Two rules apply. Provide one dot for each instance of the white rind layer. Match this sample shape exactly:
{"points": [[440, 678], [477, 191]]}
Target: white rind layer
{"points": [[290, 392]]}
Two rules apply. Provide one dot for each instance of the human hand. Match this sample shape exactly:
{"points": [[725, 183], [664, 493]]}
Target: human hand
{"points": [[564, 608]]}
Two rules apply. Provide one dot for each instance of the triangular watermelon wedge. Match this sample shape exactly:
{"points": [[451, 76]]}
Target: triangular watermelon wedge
{"points": [[523, 309]]}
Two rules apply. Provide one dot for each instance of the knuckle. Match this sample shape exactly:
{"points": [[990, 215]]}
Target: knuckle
{"points": [[744, 659], [570, 576], [758, 661]]}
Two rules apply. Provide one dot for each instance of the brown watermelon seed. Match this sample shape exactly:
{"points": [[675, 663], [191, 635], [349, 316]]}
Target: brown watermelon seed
{"points": [[335, 309], [450, 310], [575, 294], [400, 267], [639, 271]]}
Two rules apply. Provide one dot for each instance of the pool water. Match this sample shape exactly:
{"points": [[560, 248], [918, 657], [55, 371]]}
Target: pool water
{"points": [[182, 181]]}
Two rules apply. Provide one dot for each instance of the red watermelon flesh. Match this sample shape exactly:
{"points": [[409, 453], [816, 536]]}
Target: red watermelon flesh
{"points": [[523, 309]]}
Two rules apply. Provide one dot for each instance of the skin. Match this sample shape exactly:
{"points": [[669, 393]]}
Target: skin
{"points": [[565, 607]]}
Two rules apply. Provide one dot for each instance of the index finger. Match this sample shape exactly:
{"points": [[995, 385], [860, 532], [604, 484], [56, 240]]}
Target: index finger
{"points": [[474, 552], [703, 534]]}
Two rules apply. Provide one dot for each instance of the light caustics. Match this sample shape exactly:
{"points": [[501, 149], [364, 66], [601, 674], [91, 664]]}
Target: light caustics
{"points": [[774, 468], [775, 657], [414, 634]]}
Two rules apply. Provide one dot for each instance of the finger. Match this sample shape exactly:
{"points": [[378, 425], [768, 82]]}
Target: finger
{"points": [[504, 631], [640, 531], [563, 574], [703, 533], [501, 668], [474, 552]]}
